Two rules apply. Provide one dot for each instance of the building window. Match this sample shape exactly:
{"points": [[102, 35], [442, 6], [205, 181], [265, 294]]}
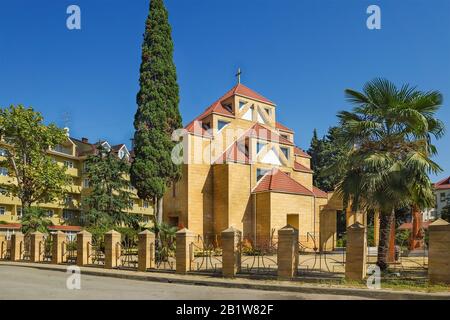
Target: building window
{"points": [[3, 152], [61, 149], [85, 166], [4, 171], [259, 146], [442, 196], [50, 213], [146, 219], [68, 200], [3, 192], [68, 215], [206, 126], [68, 164], [242, 104], [2, 211], [146, 205], [267, 111], [85, 183], [228, 107], [260, 173], [285, 152], [19, 211], [285, 136], [131, 204], [222, 124]]}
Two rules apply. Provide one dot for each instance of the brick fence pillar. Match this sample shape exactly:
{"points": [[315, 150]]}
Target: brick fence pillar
{"points": [[356, 252], [84, 241], [112, 248], [3, 245], [287, 253], [439, 252], [58, 242], [185, 238], [17, 246], [37, 240], [231, 255], [146, 250]]}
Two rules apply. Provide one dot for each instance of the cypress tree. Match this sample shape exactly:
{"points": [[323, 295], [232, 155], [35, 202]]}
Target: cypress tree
{"points": [[157, 115]]}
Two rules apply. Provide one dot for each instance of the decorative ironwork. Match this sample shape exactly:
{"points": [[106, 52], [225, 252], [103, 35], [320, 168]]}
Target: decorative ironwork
{"points": [[5, 250], [46, 248], [70, 249], [165, 255], [259, 259], [25, 248], [96, 251], [128, 253], [205, 257]]}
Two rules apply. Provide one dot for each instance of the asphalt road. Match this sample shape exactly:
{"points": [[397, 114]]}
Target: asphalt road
{"points": [[29, 283]]}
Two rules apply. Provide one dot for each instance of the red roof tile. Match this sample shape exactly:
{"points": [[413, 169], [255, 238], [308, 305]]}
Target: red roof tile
{"points": [[301, 153], [279, 126], [278, 181], [320, 193], [301, 168], [242, 90], [14, 226], [443, 184], [65, 228], [235, 153], [261, 132]]}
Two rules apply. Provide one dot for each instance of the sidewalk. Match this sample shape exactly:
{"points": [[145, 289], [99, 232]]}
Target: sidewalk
{"points": [[241, 283]]}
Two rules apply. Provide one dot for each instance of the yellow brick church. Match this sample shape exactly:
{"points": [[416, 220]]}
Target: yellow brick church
{"points": [[241, 168]]}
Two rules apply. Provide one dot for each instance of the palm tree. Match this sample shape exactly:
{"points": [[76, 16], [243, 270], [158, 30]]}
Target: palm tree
{"points": [[35, 219], [390, 133]]}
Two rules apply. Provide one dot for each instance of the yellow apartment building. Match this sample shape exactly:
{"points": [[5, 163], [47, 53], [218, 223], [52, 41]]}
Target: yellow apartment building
{"points": [[241, 168], [72, 154]]}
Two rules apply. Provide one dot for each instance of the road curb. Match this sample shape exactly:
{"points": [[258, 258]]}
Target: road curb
{"points": [[238, 283]]}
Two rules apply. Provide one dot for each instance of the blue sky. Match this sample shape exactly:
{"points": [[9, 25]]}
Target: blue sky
{"points": [[301, 54]]}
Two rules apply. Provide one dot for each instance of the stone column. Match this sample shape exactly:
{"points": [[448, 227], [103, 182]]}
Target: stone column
{"points": [[2, 246], [439, 252], [376, 228], [287, 254], [231, 255], [183, 254], [84, 241], [112, 249], [58, 239], [146, 250], [17, 246], [37, 247], [356, 252]]}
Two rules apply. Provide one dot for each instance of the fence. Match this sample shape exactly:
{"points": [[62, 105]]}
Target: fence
{"points": [[283, 256]]}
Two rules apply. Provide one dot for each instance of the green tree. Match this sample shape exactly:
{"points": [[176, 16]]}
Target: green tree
{"points": [[35, 176], [36, 219], [389, 133], [157, 115], [325, 154], [108, 199], [445, 213]]}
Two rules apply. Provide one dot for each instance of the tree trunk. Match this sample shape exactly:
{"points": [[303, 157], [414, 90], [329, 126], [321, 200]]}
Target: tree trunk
{"points": [[159, 210], [386, 219], [391, 251], [416, 240]]}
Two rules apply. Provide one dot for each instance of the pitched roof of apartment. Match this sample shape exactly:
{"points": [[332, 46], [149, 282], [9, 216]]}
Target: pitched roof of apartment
{"points": [[281, 127], [443, 184], [301, 168], [301, 153], [278, 181]]}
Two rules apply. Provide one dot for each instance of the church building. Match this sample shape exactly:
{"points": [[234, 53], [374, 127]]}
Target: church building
{"points": [[242, 169]]}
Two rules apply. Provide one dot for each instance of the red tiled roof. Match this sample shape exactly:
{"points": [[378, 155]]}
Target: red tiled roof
{"points": [[279, 126], [443, 184], [320, 193], [261, 132], [218, 108], [301, 153], [65, 228], [301, 168], [235, 153], [278, 181], [408, 225], [14, 226]]}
